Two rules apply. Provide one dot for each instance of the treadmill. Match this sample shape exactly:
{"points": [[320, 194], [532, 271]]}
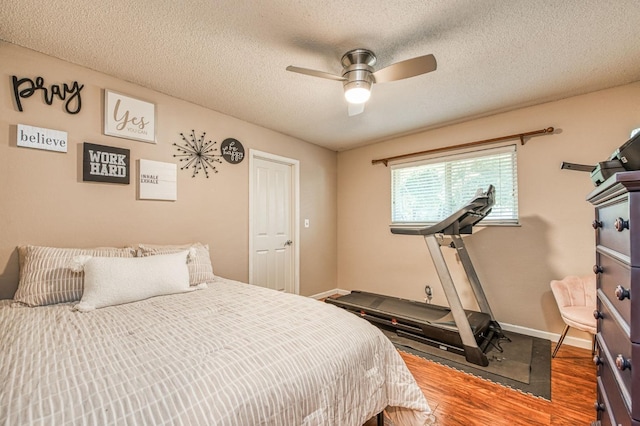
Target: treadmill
{"points": [[455, 329]]}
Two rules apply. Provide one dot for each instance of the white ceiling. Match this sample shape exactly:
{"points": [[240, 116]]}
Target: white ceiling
{"points": [[230, 55]]}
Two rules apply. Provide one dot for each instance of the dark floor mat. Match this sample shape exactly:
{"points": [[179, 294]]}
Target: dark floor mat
{"points": [[524, 364]]}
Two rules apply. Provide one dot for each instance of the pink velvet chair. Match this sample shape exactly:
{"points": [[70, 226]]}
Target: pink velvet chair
{"points": [[576, 299]]}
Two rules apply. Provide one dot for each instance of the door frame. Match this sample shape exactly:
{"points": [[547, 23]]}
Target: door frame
{"points": [[295, 210]]}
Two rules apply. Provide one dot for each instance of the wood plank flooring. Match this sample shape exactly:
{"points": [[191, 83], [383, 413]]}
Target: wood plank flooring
{"points": [[460, 399]]}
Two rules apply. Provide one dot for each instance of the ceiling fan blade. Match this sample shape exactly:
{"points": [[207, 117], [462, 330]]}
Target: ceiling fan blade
{"points": [[315, 73], [406, 69], [355, 109]]}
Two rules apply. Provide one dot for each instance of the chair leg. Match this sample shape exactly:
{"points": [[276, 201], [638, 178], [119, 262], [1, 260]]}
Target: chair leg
{"points": [[564, 333]]}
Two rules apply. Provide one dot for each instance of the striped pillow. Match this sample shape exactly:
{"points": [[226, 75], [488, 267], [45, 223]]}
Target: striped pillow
{"points": [[200, 269], [45, 275]]}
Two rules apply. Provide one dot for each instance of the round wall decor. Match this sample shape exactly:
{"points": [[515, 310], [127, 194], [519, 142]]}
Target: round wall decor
{"points": [[198, 154], [232, 150]]}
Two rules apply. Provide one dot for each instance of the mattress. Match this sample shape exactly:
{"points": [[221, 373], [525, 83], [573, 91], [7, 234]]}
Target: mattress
{"points": [[231, 354]]}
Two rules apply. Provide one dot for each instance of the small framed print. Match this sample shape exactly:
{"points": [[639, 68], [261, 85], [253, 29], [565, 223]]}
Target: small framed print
{"points": [[129, 118], [105, 164], [157, 180], [39, 138]]}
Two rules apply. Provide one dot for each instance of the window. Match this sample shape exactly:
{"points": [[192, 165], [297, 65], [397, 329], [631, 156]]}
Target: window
{"points": [[428, 191]]}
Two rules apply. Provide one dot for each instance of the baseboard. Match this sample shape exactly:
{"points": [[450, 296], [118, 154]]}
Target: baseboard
{"points": [[554, 337], [328, 293]]}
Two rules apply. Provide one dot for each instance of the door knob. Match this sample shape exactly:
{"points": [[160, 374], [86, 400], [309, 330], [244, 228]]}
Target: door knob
{"points": [[288, 243]]}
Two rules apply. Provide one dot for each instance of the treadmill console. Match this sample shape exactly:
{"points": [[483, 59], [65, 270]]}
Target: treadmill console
{"points": [[460, 222]]}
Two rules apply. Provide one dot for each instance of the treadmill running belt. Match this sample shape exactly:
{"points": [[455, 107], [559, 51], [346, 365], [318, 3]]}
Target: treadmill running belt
{"points": [[409, 311]]}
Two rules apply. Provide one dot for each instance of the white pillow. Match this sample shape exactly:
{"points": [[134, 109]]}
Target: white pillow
{"points": [[113, 281]]}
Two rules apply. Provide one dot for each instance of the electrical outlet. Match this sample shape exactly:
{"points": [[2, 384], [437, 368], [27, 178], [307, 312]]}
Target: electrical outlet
{"points": [[429, 292]]}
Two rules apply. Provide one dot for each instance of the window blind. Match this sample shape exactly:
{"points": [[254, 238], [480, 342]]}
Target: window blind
{"points": [[428, 191]]}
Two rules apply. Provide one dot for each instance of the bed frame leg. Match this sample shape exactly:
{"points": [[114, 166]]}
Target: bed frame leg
{"points": [[380, 418]]}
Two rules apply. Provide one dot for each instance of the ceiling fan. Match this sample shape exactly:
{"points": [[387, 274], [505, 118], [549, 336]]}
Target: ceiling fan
{"points": [[358, 74]]}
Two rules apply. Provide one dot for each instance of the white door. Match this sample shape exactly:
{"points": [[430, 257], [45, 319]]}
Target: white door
{"points": [[273, 261]]}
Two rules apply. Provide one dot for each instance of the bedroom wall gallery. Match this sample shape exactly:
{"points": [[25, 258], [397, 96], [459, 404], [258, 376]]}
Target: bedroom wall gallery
{"points": [[46, 199]]}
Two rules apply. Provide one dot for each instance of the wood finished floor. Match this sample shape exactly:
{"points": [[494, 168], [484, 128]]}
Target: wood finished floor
{"points": [[460, 399]]}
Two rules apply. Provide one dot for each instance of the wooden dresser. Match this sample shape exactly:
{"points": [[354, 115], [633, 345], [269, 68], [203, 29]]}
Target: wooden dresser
{"points": [[617, 225]]}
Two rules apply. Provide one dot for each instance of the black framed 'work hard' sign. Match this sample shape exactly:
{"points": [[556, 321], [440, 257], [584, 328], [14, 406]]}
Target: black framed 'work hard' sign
{"points": [[105, 164]]}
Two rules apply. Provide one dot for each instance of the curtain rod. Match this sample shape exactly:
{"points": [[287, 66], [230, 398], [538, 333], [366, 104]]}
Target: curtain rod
{"points": [[520, 136]]}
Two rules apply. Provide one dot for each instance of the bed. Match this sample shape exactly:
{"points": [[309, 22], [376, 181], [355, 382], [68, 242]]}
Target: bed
{"points": [[224, 353]]}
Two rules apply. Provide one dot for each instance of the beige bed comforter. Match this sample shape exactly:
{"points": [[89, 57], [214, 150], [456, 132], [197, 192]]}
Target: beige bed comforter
{"points": [[232, 354]]}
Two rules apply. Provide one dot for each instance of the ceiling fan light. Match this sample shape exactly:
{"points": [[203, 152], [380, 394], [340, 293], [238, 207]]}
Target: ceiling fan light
{"points": [[357, 92], [357, 95]]}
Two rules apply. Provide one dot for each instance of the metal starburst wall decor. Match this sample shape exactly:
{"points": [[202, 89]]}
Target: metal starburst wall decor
{"points": [[198, 154]]}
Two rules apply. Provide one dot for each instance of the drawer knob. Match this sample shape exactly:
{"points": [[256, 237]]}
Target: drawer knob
{"points": [[622, 363], [599, 406], [622, 293], [596, 224], [597, 314], [597, 360], [621, 224], [597, 269]]}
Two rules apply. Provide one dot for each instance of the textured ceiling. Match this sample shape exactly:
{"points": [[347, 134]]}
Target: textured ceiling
{"points": [[231, 55]]}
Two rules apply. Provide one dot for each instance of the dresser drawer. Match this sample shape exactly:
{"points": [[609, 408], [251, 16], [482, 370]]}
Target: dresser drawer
{"points": [[635, 387], [613, 226], [612, 411], [616, 277], [603, 417], [615, 345], [614, 274], [613, 408]]}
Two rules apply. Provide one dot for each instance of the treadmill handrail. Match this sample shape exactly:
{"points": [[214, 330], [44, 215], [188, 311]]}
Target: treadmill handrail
{"points": [[459, 222]]}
